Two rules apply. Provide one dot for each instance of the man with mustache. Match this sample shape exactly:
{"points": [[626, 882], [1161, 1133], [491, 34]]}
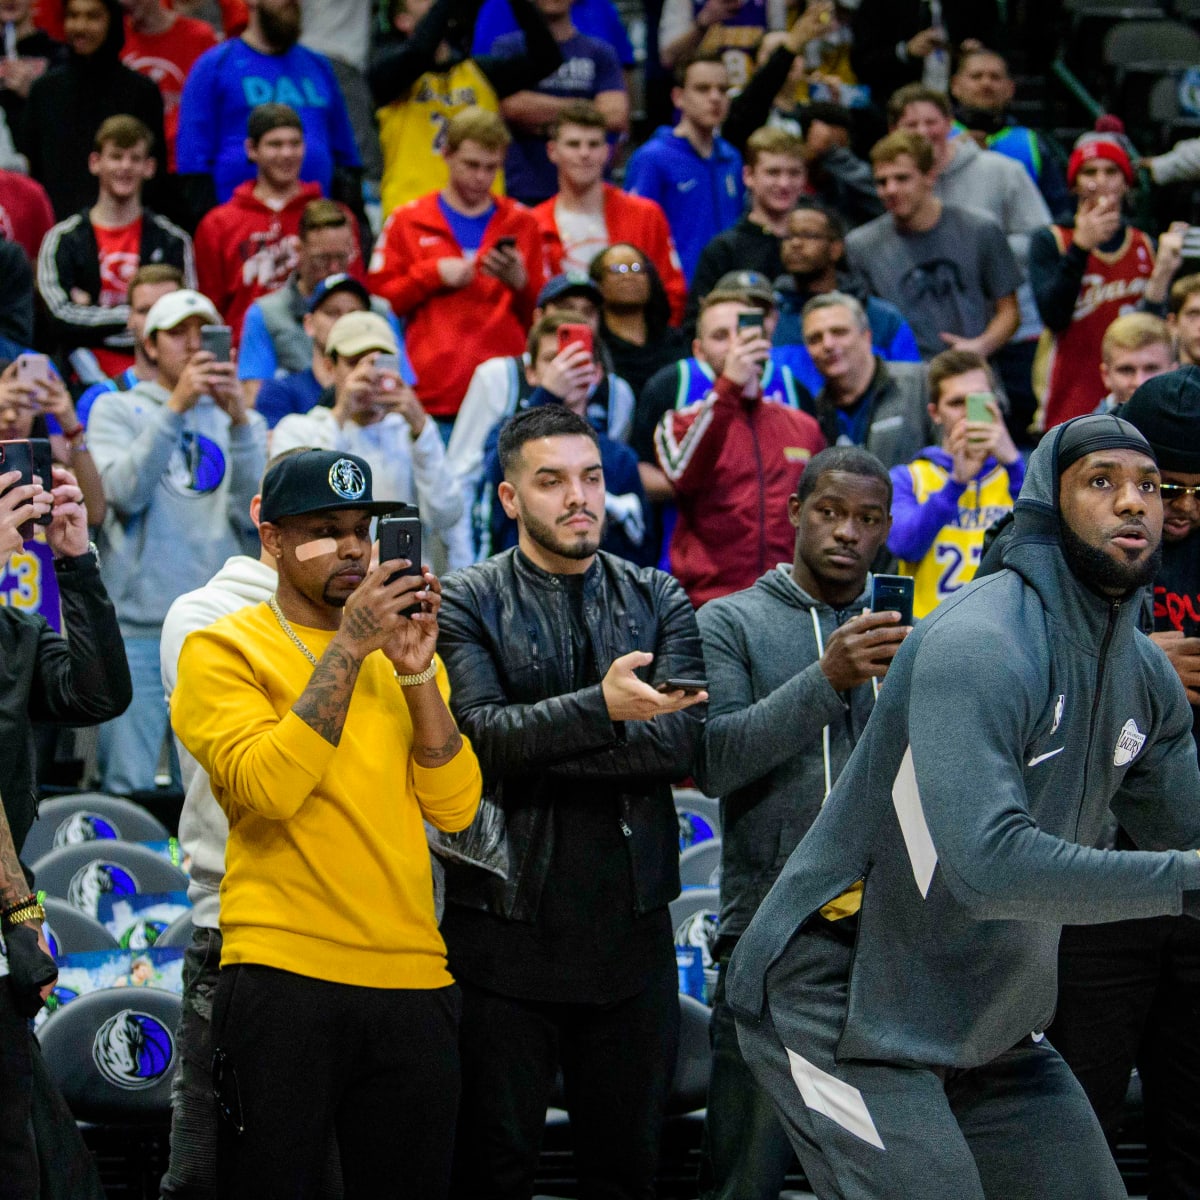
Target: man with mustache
{"points": [[265, 65], [320, 719], [892, 989], [560, 658]]}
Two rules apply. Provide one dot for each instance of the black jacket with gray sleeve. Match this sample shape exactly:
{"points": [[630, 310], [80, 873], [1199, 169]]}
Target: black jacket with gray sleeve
{"points": [[1010, 721]]}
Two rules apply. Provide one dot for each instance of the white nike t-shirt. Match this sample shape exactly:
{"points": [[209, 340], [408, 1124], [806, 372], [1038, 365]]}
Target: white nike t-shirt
{"points": [[583, 236]]}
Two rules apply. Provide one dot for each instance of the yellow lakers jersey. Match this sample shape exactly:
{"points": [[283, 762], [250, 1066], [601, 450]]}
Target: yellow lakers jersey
{"points": [[953, 558], [413, 130]]}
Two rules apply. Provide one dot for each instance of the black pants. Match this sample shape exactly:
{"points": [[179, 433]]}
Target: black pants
{"points": [[42, 1156], [1129, 995], [296, 1057], [617, 1062]]}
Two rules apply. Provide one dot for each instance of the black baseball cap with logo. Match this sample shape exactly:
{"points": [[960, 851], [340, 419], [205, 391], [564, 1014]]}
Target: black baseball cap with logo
{"points": [[320, 481]]}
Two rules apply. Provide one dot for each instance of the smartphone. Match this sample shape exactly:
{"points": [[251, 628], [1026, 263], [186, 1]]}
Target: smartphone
{"points": [[30, 460], [508, 242], [33, 368], [217, 340], [977, 406], [572, 335], [750, 320], [387, 362], [893, 593], [400, 537], [689, 686]]}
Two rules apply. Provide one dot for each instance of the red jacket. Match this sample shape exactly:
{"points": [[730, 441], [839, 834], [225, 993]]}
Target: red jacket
{"points": [[632, 219], [245, 249], [450, 331], [733, 464]]}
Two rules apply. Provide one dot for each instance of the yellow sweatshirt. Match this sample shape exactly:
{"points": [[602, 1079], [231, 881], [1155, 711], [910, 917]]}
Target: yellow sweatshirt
{"points": [[327, 870]]}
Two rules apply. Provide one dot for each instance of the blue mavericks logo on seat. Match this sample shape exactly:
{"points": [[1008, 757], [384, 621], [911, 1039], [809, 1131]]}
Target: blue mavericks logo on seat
{"points": [[133, 1050], [96, 879], [693, 829], [84, 827], [142, 934]]}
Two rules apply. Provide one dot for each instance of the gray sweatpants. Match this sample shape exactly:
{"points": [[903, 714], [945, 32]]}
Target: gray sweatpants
{"points": [[1016, 1128]]}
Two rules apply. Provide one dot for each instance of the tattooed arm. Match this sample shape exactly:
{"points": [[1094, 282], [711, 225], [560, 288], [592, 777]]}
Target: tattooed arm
{"points": [[436, 739], [13, 884], [323, 705]]}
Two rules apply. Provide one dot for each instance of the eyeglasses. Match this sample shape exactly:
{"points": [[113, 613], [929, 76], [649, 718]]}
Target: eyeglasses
{"points": [[1177, 491], [633, 268]]}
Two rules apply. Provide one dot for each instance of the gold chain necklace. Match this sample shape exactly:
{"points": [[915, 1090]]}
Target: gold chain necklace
{"points": [[273, 605]]}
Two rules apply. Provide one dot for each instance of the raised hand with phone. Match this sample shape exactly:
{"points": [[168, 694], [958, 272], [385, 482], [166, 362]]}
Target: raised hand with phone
{"points": [[748, 353], [505, 262]]}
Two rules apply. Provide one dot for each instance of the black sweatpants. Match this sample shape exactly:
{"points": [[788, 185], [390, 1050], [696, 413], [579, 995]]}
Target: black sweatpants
{"points": [[296, 1057], [1129, 994], [617, 1062]]}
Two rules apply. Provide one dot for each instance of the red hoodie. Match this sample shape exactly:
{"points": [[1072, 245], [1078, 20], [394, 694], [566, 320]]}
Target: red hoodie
{"points": [[632, 219], [733, 463], [245, 249], [450, 331]]}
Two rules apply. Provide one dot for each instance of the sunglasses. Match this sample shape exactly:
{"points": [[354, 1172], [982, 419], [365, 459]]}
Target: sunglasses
{"points": [[633, 268], [1177, 491]]}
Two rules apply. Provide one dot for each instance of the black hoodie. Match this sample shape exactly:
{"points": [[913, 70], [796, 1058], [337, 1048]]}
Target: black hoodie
{"points": [[69, 104]]}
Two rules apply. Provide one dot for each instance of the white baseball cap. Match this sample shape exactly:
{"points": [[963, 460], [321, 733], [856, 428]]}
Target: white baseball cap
{"points": [[167, 311]]}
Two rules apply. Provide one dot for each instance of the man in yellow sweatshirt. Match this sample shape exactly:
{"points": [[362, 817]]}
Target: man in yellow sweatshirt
{"points": [[321, 720]]}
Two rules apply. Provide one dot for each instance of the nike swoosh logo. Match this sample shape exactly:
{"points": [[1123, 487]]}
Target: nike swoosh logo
{"points": [[687, 185], [428, 240], [1033, 762]]}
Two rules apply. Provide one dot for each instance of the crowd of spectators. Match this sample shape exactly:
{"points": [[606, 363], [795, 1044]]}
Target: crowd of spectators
{"points": [[425, 226]]}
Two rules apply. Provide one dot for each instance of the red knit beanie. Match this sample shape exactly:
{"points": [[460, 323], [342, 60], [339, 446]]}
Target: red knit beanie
{"points": [[1098, 147]]}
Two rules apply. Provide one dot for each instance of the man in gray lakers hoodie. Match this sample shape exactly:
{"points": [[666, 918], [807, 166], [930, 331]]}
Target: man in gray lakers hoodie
{"points": [[791, 664], [891, 990]]}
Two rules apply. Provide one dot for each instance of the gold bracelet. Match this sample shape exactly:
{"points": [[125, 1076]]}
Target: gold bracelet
{"points": [[419, 678], [18, 916]]}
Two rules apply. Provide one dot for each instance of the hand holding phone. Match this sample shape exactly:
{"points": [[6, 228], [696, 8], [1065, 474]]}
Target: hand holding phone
{"points": [[862, 649]]}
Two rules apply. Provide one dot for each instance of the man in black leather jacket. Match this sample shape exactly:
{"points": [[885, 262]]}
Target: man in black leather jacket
{"points": [[43, 677], [555, 652]]}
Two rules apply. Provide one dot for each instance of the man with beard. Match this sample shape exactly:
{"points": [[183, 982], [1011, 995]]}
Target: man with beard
{"points": [[320, 719], [892, 989], [1127, 991], [266, 64], [574, 715]]}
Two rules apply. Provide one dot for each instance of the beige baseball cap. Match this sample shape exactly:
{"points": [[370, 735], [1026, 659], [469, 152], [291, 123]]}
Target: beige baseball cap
{"points": [[357, 332], [167, 311]]}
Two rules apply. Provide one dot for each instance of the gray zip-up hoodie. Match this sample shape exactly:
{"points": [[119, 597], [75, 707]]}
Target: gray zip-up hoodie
{"points": [[777, 733], [179, 488], [1011, 719]]}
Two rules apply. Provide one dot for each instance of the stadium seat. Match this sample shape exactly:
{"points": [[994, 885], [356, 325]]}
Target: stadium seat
{"points": [[1150, 47], [86, 817], [83, 872], [699, 817], [112, 1054], [1164, 111], [178, 933], [74, 932], [691, 901], [700, 865]]}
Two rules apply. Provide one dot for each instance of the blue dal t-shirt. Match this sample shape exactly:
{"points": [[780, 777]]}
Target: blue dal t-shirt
{"points": [[230, 80]]}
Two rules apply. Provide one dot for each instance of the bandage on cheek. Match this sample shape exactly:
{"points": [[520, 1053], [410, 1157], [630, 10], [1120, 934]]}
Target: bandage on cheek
{"points": [[317, 548]]}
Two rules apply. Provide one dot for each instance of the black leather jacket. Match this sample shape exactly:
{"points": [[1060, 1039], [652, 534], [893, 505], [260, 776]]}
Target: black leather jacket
{"points": [[82, 679], [506, 642]]}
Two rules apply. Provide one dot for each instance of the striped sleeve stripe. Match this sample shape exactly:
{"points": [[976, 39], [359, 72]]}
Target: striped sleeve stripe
{"points": [[676, 453]]}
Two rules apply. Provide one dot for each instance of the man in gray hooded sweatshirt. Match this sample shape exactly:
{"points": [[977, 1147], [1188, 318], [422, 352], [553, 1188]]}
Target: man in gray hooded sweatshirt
{"points": [[792, 664], [891, 990]]}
